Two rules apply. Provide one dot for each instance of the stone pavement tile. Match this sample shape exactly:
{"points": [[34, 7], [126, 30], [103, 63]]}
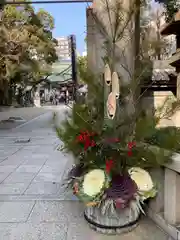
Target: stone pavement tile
{"points": [[28, 168], [48, 211], [147, 230], [6, 230], [25, 151], [68, 195], [37, 162], [42, 142], [26, 113], [15, 211], [80, 230], [5, 141], [3, 175], [48, 177], [2, 159], [8, 151], [8, 168], [56, 155], [43, 231], [34, 155], [38, 156], [5, 155], [53, 164], [12, 161], [44, 188], [35, 159], [50, 155], [31, 148], [46, 150], [52, 169], [74, 210], [22, 153], [18, 177], [12, 188]]}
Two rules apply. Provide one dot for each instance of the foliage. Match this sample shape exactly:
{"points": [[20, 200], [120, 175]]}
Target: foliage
{"points": [[167, 138], [152, 45], [130, 139], [150, 141], [136, 126], [171, 7], [82, 67], [27, 48]]}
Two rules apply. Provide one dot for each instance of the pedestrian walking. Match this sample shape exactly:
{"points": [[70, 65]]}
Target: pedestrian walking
{"points": [[56, 99], [67, 96], [51, 99]]}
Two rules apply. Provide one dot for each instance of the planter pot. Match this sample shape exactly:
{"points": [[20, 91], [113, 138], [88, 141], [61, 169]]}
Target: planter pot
{"points": [[123, 221]]}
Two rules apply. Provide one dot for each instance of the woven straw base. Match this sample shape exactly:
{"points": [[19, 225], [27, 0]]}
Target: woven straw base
{"points": [[111, 224]]}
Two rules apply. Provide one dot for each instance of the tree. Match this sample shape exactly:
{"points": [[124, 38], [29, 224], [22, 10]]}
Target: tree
{"points": [[153, 46], [82, 67], [27, 47], [171, 7]]}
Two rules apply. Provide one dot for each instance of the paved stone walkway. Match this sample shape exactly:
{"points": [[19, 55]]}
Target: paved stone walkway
{"points": [[33, 204], [26, 114]]}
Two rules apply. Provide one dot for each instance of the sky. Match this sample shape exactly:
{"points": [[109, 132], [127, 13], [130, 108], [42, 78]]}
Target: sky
{"points": [[70, 18]]}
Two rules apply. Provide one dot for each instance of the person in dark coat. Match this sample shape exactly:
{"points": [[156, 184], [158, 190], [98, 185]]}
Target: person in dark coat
{"points": [[51, 99]]}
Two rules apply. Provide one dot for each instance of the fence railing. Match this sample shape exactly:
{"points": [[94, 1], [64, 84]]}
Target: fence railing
{"points": [[165, 208]]}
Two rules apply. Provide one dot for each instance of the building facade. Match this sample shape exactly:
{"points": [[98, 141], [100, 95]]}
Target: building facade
{"points": [[156, 25], [63, 48]]}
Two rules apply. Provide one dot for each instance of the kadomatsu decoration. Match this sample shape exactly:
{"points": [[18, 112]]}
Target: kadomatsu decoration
{"points": [[114, 143], [113, 157]]}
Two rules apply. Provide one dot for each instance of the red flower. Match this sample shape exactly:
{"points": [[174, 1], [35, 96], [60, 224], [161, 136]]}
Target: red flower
{"points": [[88, 143], [130, 153], [130, 146], [87, 133], [85, 137], [109, 165], [80, 138]]}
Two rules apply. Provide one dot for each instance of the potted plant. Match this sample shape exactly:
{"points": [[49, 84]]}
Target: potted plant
{"points": [[114, 155], [115, 145]]}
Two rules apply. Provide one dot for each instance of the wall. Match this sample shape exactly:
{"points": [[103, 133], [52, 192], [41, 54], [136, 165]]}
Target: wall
{"points": [[95, 41]]}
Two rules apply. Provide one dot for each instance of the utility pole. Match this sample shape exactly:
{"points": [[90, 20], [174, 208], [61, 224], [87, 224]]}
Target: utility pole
{"points": [[2, 3], [72, 40]]}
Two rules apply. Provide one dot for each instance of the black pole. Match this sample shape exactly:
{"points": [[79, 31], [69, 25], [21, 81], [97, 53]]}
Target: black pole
{"points": [[2, 3], [74, 64]]}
